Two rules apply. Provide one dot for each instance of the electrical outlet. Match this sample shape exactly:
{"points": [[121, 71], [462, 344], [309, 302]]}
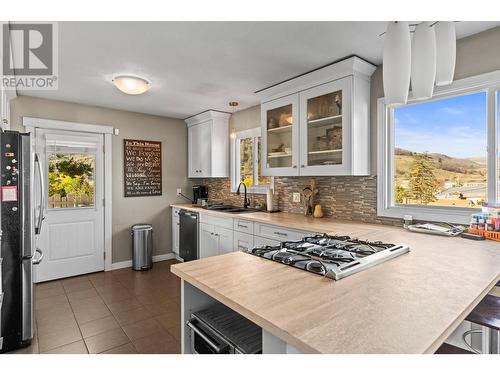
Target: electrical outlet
{"points": [[296, 198], [179, 191]]}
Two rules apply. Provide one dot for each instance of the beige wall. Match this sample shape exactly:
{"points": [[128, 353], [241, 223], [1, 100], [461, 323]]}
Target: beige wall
{"points": [[126, 211], [246, 119]]}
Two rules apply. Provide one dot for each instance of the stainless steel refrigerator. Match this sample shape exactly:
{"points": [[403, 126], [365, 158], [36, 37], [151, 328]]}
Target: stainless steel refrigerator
{"points": [[20, 221]]}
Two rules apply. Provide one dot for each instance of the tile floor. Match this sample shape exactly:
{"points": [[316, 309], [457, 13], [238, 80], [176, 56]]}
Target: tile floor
{"points": [[120, 312]]}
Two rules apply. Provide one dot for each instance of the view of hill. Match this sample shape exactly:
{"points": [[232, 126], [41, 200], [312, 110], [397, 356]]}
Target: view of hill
{"points": [[458, 182], [447, 168]]}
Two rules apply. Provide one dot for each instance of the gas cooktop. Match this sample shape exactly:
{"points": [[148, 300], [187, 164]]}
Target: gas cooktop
{"points": [[332, 256]]}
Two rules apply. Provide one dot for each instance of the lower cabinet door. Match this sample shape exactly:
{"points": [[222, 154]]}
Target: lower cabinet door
{"points": [[262, 241], [208, 241], [225, 240], [243, 241], [175, 234]]}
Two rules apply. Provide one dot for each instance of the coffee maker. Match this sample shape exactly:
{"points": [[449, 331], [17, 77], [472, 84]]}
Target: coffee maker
{"points": [[199, 192]]}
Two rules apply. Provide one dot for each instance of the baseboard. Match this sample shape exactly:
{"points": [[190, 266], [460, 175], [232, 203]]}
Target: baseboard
{"points": [[128, 263]]}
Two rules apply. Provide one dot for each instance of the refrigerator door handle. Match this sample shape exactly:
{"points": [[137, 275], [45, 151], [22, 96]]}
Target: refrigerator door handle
{"points": [[41, 217], [39, 259]]}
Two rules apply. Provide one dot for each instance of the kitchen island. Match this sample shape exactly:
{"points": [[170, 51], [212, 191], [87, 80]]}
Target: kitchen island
{"points": [[409, 304]]}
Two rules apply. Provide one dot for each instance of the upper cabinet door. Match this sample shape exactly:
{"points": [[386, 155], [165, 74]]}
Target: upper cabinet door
{"points": [[280, 146], [199, 138], [325, 129]]}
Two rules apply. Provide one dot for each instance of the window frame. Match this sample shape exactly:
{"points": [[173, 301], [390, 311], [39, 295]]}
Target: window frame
{"points": [[253, 133], [386, 207]]}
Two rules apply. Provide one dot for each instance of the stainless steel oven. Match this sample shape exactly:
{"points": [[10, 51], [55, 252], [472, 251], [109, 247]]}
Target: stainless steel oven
{"points": [[219, 330]]}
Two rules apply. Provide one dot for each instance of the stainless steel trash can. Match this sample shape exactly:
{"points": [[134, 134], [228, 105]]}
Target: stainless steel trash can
{"points": [[142, 239]]}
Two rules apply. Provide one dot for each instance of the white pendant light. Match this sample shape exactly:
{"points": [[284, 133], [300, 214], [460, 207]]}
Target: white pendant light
{"points": [[423, 61], [131, 85], [397, 63], [446, 49]]}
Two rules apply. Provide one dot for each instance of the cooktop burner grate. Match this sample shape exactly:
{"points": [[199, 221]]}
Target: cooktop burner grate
{"points": [[331, 256]]}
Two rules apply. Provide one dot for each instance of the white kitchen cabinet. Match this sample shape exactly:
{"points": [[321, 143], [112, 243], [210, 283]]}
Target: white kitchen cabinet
{"points": [[208, 241], [319, 123], [208, 145], [175, 231], [259, 241], [224, 240], [243, 241], [215, 240]]}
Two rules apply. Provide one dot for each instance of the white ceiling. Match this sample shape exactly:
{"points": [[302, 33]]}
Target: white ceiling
{"points": [[195, 66]]}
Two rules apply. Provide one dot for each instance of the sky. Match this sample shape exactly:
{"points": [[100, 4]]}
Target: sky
{"points": [[455, 127]]}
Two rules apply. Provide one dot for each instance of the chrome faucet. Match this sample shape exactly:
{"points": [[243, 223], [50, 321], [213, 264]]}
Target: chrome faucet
{"points": [[246, 201]]}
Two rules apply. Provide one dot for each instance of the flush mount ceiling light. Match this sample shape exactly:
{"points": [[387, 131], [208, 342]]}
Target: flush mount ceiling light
{"points": [[131, 85], [396, 63]]}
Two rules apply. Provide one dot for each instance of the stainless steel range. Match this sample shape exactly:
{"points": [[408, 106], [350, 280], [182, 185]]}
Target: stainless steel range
{"points": [[332, 256]]}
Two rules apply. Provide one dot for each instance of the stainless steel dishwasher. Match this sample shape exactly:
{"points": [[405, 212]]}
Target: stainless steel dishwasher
{"points": [[188, 235]]}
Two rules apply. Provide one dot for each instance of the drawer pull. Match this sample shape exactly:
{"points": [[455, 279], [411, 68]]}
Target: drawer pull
{"points": [[242, 226], [280, 234], [242, 247]]}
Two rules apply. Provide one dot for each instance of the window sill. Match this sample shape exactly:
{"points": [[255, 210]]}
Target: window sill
{"points": [[439, 214]]}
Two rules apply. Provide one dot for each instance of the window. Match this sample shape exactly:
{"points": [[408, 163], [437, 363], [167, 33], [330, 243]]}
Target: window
{"points": [[436, 156], [71, 174], [246, 162]]}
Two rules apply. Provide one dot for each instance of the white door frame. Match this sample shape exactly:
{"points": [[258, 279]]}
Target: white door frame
{"points": [[30, 123]]}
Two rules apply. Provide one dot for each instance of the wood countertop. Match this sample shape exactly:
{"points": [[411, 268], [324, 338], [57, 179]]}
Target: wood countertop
{"points": [[409, 304]]}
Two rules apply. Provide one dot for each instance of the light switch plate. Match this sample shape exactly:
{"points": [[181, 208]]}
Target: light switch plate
{"points": [[179, 191], [296, 198]]}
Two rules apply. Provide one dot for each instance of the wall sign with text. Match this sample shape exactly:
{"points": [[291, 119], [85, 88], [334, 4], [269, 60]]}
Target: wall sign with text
{"points": [[141, 167]]}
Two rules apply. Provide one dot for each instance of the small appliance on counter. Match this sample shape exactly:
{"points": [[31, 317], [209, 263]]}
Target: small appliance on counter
{"points": [[200, 194]]}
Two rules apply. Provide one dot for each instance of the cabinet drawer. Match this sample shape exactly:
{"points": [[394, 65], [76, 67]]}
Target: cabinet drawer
{"points": [[262, 241], [223, 222], [278, 233], [243, 241], [244, 226]]}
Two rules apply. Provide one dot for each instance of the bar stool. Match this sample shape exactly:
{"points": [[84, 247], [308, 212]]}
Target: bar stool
{"points": [[487, 314]]}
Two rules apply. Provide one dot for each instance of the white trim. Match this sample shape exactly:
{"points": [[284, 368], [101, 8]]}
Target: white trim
{"points": [[234, 160], [108, 200], [489, 83], [353, 66], [66, 125], [128, 263], [30, 123]]}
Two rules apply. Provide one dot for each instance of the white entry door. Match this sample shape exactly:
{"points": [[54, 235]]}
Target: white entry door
{"points": [[72, 234]]}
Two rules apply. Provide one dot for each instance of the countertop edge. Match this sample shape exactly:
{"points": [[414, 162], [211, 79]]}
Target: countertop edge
{"points": [[257, 319]]}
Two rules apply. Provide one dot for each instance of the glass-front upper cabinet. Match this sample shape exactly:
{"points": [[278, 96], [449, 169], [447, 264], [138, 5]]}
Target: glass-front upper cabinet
{"points": [[325, 131], [280, 136]]}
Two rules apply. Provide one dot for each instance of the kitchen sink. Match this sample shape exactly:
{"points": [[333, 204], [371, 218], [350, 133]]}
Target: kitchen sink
{"points": [[230, 209]]}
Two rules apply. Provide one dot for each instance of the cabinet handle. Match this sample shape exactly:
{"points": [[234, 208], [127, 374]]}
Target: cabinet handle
{"points": [[280, 233], [302, 166], [242, 226], [178, 224], [216, 235], [294, 166]]}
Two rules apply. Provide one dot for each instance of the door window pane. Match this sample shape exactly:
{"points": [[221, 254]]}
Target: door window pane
{"points": [[324, 129], [71, 171], [441, 152], [279, 137]]}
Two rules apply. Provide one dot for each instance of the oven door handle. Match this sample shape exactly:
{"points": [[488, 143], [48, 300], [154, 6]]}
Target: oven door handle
{"points": [[217, 348]]}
